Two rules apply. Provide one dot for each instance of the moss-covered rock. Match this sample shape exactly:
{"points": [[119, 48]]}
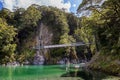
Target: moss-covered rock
{"points": [[107, 63]]}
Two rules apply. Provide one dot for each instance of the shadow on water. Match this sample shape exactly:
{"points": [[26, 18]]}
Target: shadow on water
{"points": [[85, 74]]}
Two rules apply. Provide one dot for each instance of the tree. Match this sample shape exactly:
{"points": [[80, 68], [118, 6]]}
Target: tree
{"points": [[62, 26], [73, 22], [7, 46], [88, 5], [31, 17], [106, 19], [28, 24]]}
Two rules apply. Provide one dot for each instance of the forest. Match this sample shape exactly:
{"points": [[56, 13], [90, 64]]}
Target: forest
{"points": [[104, 24], [100, 26]]}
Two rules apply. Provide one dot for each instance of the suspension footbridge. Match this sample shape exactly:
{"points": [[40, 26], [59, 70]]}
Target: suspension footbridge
{"points": [[60, 45]]}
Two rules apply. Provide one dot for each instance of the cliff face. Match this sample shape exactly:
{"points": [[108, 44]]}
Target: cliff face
{"points": [[44, 36]]}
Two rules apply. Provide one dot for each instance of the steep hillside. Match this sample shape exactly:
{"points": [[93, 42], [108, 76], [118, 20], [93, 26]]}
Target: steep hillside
{"points": [[41, 24]]}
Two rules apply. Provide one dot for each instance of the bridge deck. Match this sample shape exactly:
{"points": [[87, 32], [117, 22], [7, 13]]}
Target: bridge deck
{"points": [[60, 45]]}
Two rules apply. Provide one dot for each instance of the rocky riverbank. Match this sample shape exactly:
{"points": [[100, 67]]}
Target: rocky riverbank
{"points": [[106, 63]]}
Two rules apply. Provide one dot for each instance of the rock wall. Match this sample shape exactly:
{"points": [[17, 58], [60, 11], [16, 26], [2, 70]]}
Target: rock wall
{"points": [[44, 37]]}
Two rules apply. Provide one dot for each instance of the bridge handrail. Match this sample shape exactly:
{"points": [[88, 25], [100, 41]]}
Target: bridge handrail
{"points": [[61, 45]]}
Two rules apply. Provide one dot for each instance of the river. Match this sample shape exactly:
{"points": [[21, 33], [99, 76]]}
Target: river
{"points": [[51, 72]]}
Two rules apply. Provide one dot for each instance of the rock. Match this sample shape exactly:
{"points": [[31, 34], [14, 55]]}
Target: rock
{"points": [[3, 64], [77, 66], [26, 62], [13, 63], [61, 62], [38, 59]]}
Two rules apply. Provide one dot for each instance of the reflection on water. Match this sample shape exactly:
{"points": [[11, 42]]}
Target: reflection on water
{"points": [[85, 74], [51, 72]]}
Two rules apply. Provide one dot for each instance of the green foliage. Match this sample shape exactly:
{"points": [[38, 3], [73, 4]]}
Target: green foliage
{"points": [[73, 22], [88, 5], [61, 26], [70, 51], [87, 33], [27, 22], [66, 39], [56, 19], [105, 25], [107, 63], [31, 16], [17, 15], [5, 13], [7, 34]]}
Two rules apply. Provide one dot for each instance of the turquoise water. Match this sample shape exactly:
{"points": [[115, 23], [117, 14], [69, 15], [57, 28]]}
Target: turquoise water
{"points": [[50, 72], [30, 72]]}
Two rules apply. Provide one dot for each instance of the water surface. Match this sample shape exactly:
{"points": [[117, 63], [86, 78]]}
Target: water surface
{"points": [[50, 72]]}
